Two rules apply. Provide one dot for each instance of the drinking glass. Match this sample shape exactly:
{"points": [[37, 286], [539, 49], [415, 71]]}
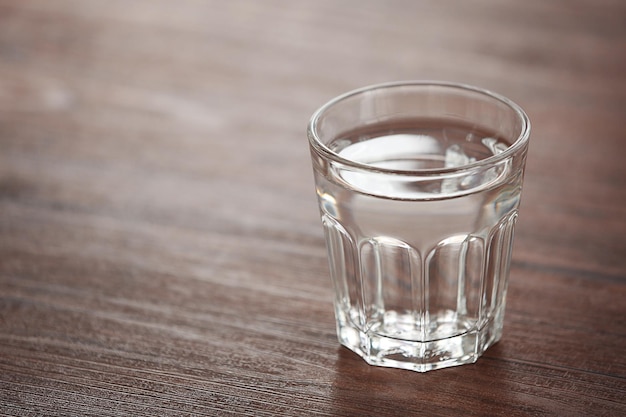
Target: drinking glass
{"points": [[419, 185]]}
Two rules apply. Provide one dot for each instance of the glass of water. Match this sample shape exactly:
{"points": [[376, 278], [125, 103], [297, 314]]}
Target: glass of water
{"points": [[419, 186]]}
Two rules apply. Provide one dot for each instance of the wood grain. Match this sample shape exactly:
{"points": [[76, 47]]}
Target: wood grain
{"points": [[160, 246]]}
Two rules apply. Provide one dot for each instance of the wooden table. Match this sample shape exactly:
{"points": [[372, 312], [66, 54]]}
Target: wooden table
{"points": [[160, 245]]}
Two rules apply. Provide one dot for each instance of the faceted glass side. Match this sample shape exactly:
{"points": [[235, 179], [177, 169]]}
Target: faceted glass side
{"points": [[401, 308]]}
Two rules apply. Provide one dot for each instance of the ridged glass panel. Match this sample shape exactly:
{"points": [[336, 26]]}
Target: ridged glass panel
{"points": [[343, 269], [498, 257], [393, 287]]}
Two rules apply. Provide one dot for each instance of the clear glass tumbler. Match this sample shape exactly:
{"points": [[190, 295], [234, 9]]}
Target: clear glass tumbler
{"points": [[419, 186]]}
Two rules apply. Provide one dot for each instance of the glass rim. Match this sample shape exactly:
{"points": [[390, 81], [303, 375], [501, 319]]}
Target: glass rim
{"points": [[324, 151]]}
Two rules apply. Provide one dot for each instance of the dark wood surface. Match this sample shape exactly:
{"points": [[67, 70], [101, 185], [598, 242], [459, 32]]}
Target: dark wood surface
{"points": [[160, 247]]}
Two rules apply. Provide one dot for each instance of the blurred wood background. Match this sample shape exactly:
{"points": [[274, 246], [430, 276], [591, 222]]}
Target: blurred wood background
{"points": [[160, 245]]}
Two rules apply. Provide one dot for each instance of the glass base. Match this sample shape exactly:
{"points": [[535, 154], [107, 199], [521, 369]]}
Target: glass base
{"points": [[421, 356]]}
